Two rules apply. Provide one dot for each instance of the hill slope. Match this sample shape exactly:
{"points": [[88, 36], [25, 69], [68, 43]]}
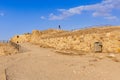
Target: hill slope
{"points": [[80, 40]]}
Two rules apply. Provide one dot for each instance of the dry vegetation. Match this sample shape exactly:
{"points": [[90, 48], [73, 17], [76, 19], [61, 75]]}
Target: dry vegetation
{"points": [[7, 49]]}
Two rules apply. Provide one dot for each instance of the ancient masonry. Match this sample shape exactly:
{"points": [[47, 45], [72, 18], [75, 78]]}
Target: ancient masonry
{"points": [[101, 39]]}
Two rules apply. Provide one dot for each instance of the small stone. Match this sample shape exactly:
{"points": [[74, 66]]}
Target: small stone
{"points": [[116, 59], [100, 57], [111, 55]]}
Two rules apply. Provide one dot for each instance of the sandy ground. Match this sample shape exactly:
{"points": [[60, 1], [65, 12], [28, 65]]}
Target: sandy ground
{"points": [[44, 64]]}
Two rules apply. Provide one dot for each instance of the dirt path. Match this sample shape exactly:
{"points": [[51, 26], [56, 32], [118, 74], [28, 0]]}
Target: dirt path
{"points": [[44, 64]]}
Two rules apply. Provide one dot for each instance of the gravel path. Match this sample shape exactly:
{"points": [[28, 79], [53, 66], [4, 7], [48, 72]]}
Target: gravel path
{"points": [[44, 64]]}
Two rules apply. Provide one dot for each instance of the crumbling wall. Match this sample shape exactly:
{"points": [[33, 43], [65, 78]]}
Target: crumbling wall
{"points": [[82, 40], [83, 43], [21, 38]]}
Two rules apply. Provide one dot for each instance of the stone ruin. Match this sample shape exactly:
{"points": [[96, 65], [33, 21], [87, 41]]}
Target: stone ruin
{"points": [[101, 39]]}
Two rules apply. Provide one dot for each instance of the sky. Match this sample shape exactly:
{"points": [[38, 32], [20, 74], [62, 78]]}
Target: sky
{"points": [[22, 16]]}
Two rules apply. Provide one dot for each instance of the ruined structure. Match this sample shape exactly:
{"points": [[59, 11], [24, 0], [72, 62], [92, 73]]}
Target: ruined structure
{"points": [[81, 40]]}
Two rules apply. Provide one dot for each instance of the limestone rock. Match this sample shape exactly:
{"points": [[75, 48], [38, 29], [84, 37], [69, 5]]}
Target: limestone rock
{"points": [[82, 40]]}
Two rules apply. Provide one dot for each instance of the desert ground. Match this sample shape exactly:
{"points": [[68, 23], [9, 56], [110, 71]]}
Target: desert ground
{"points": [[62, 55], [36, 63]]}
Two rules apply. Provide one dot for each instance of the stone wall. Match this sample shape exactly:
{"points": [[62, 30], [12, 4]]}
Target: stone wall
{"points": [[21, 38], [81, 40]]}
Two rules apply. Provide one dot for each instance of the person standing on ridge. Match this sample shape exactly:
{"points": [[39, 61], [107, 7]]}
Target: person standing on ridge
{"points": [[59, 27]]}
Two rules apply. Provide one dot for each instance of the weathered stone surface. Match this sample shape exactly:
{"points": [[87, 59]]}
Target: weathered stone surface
{"points": [[82, 40], [21, 38]]}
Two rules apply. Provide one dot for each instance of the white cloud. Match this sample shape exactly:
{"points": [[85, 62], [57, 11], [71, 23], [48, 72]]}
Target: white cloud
{"points": [[102, 9], [111, 18], [2, 14], [43, 17]]}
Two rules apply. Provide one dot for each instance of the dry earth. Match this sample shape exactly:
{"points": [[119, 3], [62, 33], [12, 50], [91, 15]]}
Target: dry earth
{"points": [[45, 64]]}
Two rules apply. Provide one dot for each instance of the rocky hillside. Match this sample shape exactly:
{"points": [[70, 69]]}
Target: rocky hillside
{"points": [[80, 40]]}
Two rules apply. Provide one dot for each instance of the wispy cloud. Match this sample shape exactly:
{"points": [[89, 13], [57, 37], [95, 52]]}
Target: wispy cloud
{"points": [[111, 17], [2, 14], [103, 9], [43, 17]]}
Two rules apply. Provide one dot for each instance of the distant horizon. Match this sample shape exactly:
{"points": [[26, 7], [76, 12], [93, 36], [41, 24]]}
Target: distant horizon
{"points": [[85, 27], [18, 17], [95, 26]]}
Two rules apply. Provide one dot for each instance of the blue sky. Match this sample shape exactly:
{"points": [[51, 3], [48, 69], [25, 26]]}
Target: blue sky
{"points": [[20, 16]]}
